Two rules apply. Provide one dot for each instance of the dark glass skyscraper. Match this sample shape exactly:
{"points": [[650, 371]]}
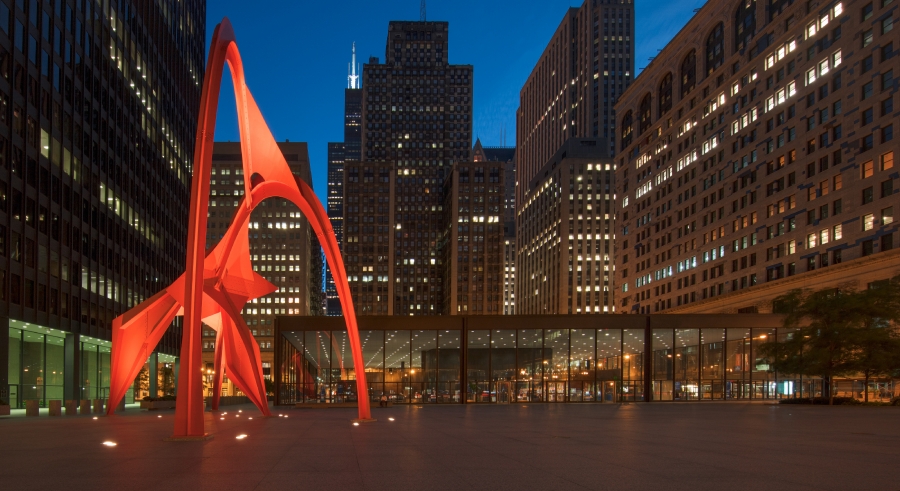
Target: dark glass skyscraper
{"points": [[338, 153], [98, 111]]}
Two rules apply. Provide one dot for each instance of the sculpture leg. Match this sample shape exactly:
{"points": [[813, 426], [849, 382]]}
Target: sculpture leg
{"points": [[217, 370], [135, 335], [241, 353]]}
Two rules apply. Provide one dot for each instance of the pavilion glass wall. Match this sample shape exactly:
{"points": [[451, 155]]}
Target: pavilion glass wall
{"points": [[537, 365]]}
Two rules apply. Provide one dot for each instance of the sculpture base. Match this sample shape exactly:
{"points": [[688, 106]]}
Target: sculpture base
{"points": [[203, 437]]}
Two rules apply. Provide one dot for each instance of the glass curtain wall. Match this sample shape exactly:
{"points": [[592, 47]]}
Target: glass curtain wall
{"points": [[535, 365], [95, 370], [36, 365]]}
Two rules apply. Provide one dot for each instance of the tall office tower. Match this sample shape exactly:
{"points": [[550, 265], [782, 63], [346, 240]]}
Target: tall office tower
{"points": [[335, 216], [587, 64], [95, 165], [506, 156], [757, 156], [417, 117], [569, 95], [471, 245], [565, 266], [338, 153], [283, 248]]}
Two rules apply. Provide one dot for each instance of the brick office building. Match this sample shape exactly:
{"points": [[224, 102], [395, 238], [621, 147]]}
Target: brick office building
{"points": [[417, 122], [756, 155]]}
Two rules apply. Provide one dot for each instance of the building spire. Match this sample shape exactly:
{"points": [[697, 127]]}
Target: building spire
{"points": [[352, 71]]}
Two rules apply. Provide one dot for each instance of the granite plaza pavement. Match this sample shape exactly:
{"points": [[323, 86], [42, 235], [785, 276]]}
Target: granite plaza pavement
{"points": [[671, 446]]}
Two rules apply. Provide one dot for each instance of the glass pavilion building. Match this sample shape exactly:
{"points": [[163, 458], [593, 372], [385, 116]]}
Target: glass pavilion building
{"points": [[510, 359]]}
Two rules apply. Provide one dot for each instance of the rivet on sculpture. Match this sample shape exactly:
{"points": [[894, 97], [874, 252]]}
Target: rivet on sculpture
{"points": [[215, 288]]}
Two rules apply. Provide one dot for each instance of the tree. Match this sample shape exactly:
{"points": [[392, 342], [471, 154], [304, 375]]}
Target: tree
{"points": [[877, 342], [838, 333]]}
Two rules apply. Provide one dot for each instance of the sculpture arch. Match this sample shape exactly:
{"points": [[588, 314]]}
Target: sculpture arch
{"points": [[216, 285]]}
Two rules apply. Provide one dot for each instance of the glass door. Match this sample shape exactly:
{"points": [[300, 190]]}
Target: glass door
{"points": [[555, 391]]}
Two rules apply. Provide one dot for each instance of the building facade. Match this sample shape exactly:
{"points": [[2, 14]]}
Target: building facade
{"points": [[472, 242], [338, 153], [417, 122], [565, 253], [99, 108], [283, 249], [574, 85], [335, 204], [506, 156], [757, 156]]}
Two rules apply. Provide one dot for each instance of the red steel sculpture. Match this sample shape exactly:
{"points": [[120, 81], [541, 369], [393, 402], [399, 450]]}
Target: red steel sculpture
{"points": [[216, 287]]}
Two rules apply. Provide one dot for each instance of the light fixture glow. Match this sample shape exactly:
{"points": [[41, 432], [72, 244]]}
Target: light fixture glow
{"points": [[355, 424], [109, 443], [241, 436]]}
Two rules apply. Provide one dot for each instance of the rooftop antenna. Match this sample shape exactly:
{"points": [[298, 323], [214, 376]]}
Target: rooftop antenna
{"points": [[352, 74], [422, 16]]}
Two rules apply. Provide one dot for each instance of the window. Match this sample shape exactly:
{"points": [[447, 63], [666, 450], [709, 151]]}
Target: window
{"points": [[867, 64], [868, 169], [887, 188], [887, 161], [887, 51], [836, 108], [689, 73], [867, 143], [867, 11], [887, 106], [715, 49], [837, 232], [887, 215], [867, 90], [867, 248], [867, 116], [868, 195], [887, 133], [887, 242], [665, 94], [745, 24], [837, 182], [887, 24], [836, 207], [868, 222], [887, 80]]}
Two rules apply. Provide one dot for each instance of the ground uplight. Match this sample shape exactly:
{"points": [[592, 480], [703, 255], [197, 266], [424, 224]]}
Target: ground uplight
{"points": [[241, 436], [355, 424], [109, 443], [390, 419]]}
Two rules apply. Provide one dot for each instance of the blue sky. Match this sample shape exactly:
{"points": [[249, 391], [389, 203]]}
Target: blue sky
{"points": [[296, 54]]}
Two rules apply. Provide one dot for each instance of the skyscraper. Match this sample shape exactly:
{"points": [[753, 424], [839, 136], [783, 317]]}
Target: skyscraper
{"points": [[283, 248], [569, 98], [756, 157], [587, 64], [338, 153], [417, 116], [95, 166]]}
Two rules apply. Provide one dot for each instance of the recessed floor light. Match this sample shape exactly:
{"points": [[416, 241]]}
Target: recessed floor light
{"points": [[240, 437], [95, 417], [223, 419], [355, 424], [109, 443], [390, 419]]}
